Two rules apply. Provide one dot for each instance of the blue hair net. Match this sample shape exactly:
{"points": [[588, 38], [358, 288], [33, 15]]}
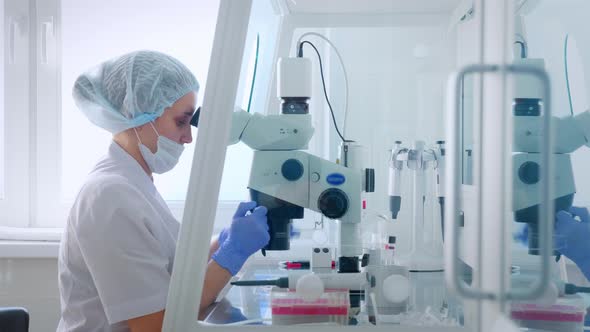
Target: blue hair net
{"points": [[132, 90]]}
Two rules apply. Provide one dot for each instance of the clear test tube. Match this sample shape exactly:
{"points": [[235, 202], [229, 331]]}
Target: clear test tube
{"points": [[388, 254]]}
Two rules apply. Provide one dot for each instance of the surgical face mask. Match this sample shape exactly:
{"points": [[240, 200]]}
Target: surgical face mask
{"points": [[166, 156]]}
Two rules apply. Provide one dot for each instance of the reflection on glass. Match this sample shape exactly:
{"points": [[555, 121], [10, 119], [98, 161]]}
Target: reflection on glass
{"points": [[551, 35], [467, 117]]}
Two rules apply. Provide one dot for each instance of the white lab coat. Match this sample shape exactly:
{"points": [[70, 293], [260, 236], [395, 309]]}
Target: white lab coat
{"points": [[117, 250]]}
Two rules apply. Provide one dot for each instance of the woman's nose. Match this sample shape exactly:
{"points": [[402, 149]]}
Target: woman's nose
{"points": [[187, 137]]}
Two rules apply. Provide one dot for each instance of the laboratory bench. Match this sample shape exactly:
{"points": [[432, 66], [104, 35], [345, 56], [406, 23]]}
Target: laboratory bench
{"points": [[428, 302]]}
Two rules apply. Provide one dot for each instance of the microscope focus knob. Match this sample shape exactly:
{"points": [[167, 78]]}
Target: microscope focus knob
{"points": [[529, 173], [292, 169], [333, 203]]}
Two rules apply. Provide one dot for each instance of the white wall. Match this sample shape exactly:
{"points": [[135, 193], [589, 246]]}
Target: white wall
{"points": [[31, 283]]}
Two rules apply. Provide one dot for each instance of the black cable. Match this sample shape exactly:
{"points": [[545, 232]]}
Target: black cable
{"points": [[300, 54], [255, 70], [524, 45], [573, 289], [523, 51], [567, 77]]}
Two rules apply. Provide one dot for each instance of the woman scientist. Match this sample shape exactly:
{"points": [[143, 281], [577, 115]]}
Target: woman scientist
{"points": [[117, 252]]}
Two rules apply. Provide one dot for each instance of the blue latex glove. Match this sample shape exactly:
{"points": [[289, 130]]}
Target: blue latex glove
{"points": [[222, 236], [574, 227], [522, 236], [247, 234]]}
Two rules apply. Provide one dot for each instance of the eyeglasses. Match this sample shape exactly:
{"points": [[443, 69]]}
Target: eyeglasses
{"points": [[195, 118]]}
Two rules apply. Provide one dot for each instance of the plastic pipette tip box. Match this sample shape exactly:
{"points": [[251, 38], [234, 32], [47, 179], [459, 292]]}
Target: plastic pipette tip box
{"points": [[288, 308]]}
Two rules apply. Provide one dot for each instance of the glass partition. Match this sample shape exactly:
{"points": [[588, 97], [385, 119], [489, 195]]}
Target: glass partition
{"points": [[550, 36], [339, 132]]}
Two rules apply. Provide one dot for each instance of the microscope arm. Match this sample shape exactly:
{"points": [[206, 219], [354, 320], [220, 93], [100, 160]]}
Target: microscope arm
{"points": [[286, 180], [239, 122], [280, 132]]}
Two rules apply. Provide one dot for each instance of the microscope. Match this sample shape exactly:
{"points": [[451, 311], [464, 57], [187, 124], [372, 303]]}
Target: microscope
{"points": [[570, 133], [287, 180]]}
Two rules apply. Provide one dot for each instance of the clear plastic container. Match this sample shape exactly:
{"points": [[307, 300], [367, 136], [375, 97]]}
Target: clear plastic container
{"points": [[567, 315], [288, 308]]}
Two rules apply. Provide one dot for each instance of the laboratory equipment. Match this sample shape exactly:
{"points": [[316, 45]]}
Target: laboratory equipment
{"points": [[565, 316], [439, 169], [384, 254], [389, 252], [321, 260], [571, 133], [286, 180], [415, 161], [491, 25], [288, 308], [395, 186], [354, 284], [396, 166], [301, 265], [310, 287], [351, 281], [390, 285]]}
